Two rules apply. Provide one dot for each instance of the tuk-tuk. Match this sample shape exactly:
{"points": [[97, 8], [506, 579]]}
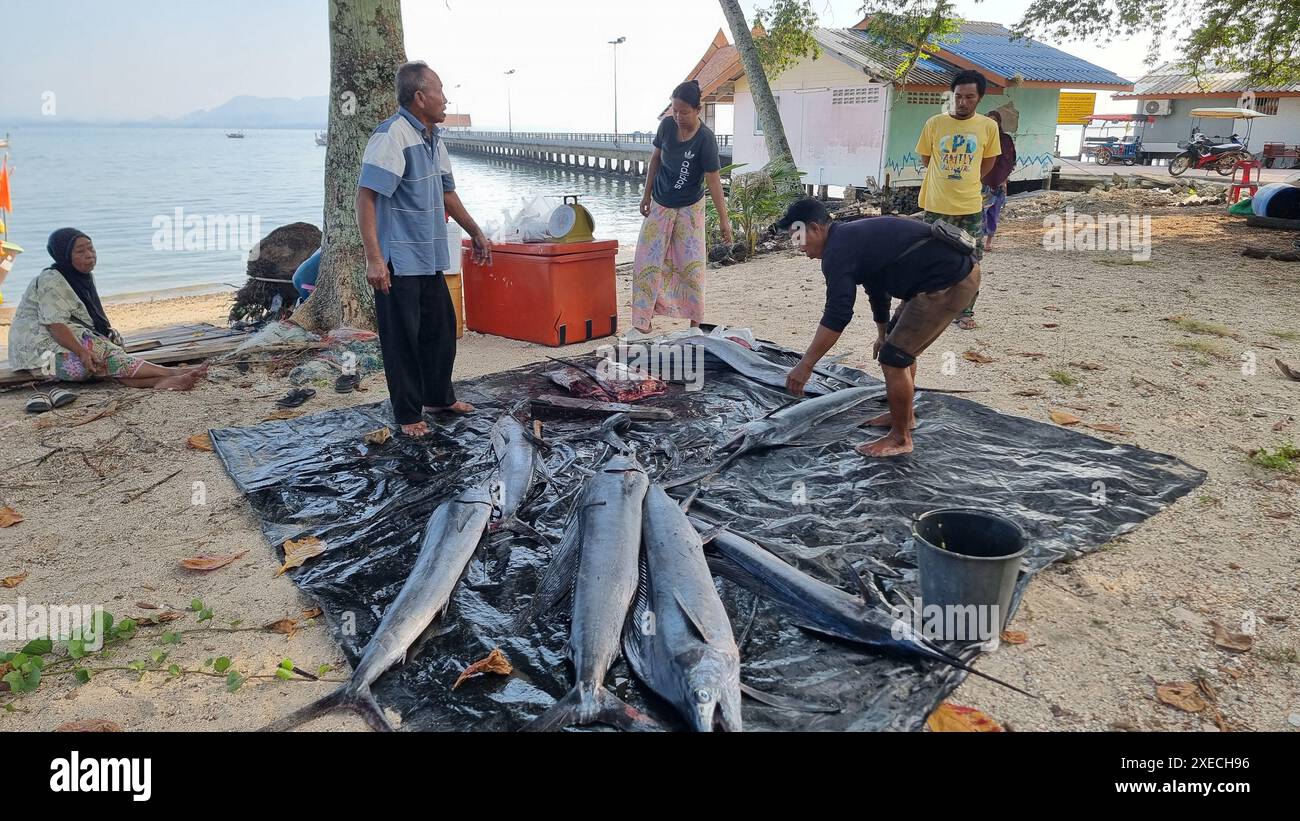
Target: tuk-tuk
{"points": [[1105, 147]]}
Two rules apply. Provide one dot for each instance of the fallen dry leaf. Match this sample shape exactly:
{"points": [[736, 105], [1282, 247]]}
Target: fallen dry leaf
{"points": [[1063, 418], [1288, 371], [1283, 425], [1184, 695], [494, 662], [1031, 354], [13, 581], [312, 613], [144, 605], [282, 414], [89, 725], [210, 562], [954, 718], [1050, 325], [297, 552], [976, 356], [9, 516], [1014, 636], [1050, 308], [1028, 392], [1079, 406], [377, 437], [286, 625], [161, 618], [1228, 640], [199, 441], [1276, 514], [1088, 366], [1104, 427]]}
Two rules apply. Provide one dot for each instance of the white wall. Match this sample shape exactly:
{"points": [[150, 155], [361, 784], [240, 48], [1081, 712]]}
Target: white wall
{"points": [[833, 144], [1282, 128]]}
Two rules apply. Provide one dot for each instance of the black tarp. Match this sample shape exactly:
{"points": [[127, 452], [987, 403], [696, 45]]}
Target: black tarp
{"points": [[816, 503]]}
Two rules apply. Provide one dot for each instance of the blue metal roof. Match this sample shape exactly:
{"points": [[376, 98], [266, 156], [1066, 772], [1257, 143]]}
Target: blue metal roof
{"points": [[879, 59], [991, 46]]}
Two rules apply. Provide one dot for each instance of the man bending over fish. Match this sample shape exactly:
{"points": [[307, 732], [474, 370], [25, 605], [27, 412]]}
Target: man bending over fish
{"points": [[889, 257]]}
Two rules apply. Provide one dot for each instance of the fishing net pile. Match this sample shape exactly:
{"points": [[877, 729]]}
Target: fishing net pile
{"points": [[814, 503]]}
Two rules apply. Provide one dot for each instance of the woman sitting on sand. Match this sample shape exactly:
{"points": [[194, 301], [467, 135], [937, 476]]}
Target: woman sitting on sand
{"points": [[61, 313]]}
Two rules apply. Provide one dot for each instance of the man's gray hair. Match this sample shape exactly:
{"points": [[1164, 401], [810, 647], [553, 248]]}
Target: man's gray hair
{"points": [[410, 79]]}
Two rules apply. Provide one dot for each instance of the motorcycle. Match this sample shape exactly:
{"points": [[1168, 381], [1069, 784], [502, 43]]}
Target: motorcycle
{"points": [[1203, 152]]}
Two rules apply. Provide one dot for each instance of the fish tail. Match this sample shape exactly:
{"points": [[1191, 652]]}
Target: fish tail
{"points": [[953, 661], [602, 708], [616, 712], [358, 700], [558, 716]]}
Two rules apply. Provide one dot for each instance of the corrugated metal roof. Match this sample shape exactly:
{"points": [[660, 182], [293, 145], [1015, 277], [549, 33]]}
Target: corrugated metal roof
{"points": [[989, 46], [1170, 79], [992, 46], [879, 59]]}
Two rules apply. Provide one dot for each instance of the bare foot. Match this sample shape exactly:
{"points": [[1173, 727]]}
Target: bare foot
{"points": [[416, 431], [887, 445], [884, 420], [179, 382], [456, 407], [967, 323]]}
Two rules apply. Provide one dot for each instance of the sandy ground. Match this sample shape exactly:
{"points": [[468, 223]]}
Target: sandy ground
{"points": [[1101, 631]]}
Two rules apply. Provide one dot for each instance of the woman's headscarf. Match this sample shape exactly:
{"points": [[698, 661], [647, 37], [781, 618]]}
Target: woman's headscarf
{"points": [[60, 249]]}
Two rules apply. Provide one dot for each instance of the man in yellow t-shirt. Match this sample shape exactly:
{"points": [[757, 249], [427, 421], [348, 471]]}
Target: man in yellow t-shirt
{"points": [[958, 150]]}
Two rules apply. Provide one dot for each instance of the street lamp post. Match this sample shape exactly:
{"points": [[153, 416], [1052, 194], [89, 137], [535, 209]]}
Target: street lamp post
{"points": [[615, 44], [510, 121]]}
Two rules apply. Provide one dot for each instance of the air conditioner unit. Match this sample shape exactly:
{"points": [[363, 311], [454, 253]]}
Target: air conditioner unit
{"points": [[1158, 107]]}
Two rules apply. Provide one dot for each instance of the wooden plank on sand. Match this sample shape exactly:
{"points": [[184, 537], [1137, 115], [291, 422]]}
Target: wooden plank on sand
{"points": [[551, 405]]}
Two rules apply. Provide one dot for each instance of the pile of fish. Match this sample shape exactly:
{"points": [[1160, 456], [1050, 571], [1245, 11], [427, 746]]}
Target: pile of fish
{"points": [[638, 574]]}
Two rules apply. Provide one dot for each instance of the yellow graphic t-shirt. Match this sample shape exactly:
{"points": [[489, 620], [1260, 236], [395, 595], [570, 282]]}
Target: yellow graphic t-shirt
{"points": [[956, 148]]}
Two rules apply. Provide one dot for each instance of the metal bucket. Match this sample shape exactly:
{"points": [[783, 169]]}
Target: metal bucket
{"points": [[966, 557]]}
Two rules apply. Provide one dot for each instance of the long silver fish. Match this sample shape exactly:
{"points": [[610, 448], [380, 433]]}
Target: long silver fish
{"points": [[452, 533], [679, 640], [601, 557], [752, 365], [818, 606], [788, 423], [516, 467]]}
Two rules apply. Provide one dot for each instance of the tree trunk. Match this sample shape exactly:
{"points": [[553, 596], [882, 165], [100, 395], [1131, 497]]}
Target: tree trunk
{"points": [[778, 148], [365, 50]]}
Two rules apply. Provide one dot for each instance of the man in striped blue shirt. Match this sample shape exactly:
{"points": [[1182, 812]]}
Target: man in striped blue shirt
{"points": [[404, 195]]}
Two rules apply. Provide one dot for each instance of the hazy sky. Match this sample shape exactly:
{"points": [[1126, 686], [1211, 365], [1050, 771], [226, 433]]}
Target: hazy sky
{"points": [[138, 58]]}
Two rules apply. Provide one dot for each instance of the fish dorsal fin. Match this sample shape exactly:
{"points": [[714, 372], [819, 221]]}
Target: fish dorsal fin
{"points": [[778, 409], [693, 619], [869, 594], [463, 514]]}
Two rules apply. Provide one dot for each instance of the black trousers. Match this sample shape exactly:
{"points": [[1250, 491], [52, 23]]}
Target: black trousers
{"points": [[417, 334]]}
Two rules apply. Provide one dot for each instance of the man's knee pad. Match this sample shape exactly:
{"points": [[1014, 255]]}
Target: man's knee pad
{"points": [[895, 357]]}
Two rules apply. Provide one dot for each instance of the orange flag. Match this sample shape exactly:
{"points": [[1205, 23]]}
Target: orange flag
{"points": [[5, 203]]}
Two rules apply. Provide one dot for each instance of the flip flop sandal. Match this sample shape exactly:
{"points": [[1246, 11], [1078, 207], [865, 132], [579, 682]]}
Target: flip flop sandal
{"points": [[294, 398], [347, 383], [59, 397], [39, 403]]}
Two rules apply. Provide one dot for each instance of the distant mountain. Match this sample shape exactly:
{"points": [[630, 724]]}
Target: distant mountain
{"points": [[239, 112], [259, 112]]}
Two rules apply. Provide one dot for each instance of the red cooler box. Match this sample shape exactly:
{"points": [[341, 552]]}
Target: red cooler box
{"points": [[552, 293]]}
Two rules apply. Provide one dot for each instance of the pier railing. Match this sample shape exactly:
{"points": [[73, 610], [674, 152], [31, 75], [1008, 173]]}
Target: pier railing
{"points": [[564, 137]]}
